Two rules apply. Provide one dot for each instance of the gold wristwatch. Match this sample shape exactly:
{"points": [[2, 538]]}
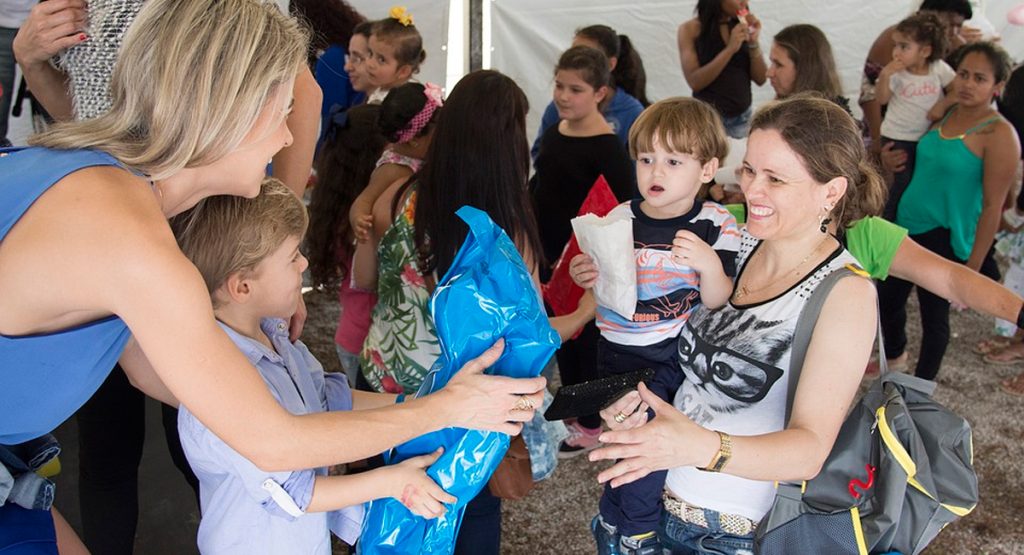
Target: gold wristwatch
{"points": [[723, 455]]}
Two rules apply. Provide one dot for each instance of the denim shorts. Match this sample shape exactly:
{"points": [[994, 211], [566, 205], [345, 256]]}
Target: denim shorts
{"points": [[684, 538], [738, 127]]}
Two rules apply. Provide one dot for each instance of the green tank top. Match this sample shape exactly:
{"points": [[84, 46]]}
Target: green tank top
{"points": [[946, 190]]}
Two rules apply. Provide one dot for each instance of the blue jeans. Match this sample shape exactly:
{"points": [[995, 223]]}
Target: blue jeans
{"points": [[634, 508], [684, 538], [6, 77], [738, 127]]}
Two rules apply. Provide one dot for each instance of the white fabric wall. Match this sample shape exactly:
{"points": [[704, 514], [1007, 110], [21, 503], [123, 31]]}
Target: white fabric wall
{"points": [[528, 36]]}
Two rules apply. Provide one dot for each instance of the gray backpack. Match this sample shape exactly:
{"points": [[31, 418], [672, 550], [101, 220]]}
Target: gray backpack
{"points": [[901, 468]]}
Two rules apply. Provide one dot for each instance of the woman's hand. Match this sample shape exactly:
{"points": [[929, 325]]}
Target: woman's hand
{"points": [[50, 28], [753, 28], [495, 403], [893, 159], [583, 270], [738, 36], [668, 441], [629, 412], [417, 491]]}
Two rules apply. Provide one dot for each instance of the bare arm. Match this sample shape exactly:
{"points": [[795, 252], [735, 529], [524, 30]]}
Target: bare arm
{"points": [[142, 376], [364, 263], [363, 400], [941, 106], [1000, 157], [50, 28], [954, 282], [360, 214], [883, 89], [839, 349], [700, 76], [293, 164], [406, 481], [758, 67]]}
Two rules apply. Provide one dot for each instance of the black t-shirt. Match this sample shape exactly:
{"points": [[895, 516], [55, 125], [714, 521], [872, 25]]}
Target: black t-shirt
{"points": [[566, 169]]}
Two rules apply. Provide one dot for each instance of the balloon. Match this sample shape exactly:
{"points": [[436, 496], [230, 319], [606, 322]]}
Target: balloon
{"points": [[1016, 15]]}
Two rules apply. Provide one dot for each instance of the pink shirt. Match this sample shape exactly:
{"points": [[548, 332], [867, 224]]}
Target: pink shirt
{"points": [[356, 310]]}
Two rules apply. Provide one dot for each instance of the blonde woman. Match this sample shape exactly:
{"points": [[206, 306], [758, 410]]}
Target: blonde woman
{"points": [[90, 273]]}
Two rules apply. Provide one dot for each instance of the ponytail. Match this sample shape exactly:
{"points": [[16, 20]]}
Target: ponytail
{"points": [[629, 71]]}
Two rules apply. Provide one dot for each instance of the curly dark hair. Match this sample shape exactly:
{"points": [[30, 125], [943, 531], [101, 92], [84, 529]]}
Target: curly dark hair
{"points": [[347, 159], [399, 107], [926, 29], [330, 22]]}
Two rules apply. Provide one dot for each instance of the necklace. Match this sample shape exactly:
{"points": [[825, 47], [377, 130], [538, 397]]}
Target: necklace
{"points": [[743, 290]]}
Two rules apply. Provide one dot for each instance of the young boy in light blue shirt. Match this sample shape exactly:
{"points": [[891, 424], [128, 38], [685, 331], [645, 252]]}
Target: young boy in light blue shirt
{"points": [[248, 253]]}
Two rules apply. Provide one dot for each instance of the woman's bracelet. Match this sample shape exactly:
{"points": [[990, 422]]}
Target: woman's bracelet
{"points": [[753, 45]]}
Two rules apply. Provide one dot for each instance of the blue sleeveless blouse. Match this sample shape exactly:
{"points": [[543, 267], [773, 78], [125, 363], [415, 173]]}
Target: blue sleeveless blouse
{"points": [[45, 378]]}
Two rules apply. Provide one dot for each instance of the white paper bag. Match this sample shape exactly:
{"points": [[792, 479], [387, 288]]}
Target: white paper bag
{"points": [[609, 241]]}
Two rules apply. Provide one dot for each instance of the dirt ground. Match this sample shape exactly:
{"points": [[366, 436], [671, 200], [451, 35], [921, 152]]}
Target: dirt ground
{"points": [[555, 516]]}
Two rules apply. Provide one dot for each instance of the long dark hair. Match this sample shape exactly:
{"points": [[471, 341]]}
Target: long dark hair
{"points": [[709, 15], [479, 157], [330, 22], [347, 158], [629, 69]]}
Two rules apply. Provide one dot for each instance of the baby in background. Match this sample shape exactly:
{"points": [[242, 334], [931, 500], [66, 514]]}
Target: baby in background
{"points": [[247, 251], [685, 254], [911, 86]]}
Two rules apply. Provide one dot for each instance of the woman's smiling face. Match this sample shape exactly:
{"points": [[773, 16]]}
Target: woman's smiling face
{"points": [[782, 198]]}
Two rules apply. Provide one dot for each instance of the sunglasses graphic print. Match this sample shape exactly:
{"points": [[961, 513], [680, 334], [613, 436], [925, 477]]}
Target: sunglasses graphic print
{"points": [[733, 374]]}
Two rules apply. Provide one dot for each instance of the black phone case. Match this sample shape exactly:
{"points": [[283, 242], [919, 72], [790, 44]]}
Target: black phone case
{"points": [[590, 397]]}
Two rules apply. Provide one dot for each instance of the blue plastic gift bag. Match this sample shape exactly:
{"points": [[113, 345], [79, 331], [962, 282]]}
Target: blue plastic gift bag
{"points": [[487, 294]]}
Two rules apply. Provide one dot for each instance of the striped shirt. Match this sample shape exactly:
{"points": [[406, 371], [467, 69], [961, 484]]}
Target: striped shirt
{"points": [[666, 291]]}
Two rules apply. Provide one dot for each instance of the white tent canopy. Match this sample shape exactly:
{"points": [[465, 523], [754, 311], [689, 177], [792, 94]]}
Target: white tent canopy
{"points": [[523, 38]]}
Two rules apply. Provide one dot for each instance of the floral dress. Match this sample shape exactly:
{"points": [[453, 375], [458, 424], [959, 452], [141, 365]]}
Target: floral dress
{"points": [[402, 343]]}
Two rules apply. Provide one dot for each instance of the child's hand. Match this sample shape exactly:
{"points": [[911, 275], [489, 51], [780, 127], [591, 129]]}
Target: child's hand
{"points": [[583, 270], [416, 490], [690, 250], [894, 66], [361, 224]]}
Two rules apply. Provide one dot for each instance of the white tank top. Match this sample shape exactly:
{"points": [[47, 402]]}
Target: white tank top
{"points": [[736, 361]]}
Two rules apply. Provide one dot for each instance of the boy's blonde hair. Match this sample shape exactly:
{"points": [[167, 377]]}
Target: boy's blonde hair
{"points": [[680, 124], [225, 234], [191, 78]]}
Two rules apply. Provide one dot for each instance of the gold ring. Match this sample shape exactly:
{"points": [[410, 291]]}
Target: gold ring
{"points": [[620, 418], [524, 403]]}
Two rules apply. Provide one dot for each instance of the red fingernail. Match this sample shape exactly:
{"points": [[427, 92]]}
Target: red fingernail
{"points": [[82, 37]]}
